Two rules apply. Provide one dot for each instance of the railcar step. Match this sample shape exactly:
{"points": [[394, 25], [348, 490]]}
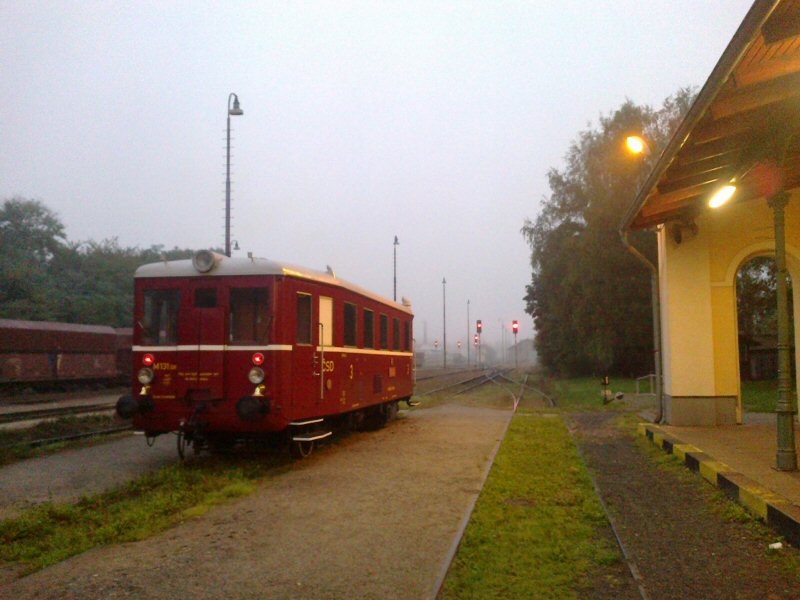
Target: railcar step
{"points": [[306, 422], [311, 437]]}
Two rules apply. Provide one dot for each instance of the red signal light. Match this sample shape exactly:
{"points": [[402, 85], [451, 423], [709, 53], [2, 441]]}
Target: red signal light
{"points": [[479, 326], [515, 326], [258, 359], [148, 360]]}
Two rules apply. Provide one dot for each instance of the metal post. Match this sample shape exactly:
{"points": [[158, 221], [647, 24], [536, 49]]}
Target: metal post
{"points": [[516, 360], [396, 243], [787, 453], [231, 111], [468, 336], [444, 322]]}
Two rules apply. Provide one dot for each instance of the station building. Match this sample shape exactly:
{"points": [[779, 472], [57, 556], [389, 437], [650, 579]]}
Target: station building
{"points": [[743, 130]]}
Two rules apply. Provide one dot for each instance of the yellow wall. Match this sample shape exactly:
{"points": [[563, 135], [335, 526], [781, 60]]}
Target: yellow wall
{"points": [[698, 297]]}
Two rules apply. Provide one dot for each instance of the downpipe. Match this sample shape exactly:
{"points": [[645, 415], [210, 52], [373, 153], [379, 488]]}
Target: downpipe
{"points": [[656, 302]]}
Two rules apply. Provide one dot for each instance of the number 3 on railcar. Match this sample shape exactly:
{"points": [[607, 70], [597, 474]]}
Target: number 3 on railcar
{"points": [[232, 349]]}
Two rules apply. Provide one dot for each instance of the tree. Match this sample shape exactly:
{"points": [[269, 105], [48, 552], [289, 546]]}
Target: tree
{"points": [[30, 236], [588, 296], [45, 277]]}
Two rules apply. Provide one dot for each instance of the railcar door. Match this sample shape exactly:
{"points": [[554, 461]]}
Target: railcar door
{"points": [[324, 343], [305, 377], [201, 346]]}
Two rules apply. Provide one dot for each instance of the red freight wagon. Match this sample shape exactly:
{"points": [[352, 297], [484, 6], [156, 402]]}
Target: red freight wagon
{"points": [[38, 351], [226, 349]]}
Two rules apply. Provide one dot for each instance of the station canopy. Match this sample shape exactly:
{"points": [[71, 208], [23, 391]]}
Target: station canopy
{"points": [[742, 127]]}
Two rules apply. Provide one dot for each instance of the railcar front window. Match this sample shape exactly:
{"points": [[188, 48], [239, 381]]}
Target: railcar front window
{"points": [[160, 319], [396, 334], [250, 317]]}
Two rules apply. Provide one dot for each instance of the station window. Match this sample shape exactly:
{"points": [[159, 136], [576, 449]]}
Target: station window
{"points": [[369, 329], [407, 336], [160, 320], [303, 318], [249, 317], [205, 298], [396, 334], [384, 332], [350, 318]]}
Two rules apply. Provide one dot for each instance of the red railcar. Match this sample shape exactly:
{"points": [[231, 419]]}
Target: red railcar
{"points": [[43, 351], [234, 348]]}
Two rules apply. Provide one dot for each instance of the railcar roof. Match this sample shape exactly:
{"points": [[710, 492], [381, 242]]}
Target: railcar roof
{"points": [[6, 324], [234, 266]]}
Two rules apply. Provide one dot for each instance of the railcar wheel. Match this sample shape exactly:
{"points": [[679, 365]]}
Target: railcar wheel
{"points": [[181, 445], [302, 449]]}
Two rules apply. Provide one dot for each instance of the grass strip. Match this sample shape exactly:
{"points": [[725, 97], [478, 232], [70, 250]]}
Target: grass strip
{"points": [[535, 529], [50, 533], [13, 442]]}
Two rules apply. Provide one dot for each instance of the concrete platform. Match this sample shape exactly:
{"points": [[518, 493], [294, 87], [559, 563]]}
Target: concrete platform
{"points": [[740, 460]]}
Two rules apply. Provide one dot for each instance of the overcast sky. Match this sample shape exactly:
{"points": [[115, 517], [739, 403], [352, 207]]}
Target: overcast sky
{"points": [[433, 121]]}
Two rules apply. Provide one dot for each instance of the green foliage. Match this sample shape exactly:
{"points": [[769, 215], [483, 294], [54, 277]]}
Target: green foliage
{"points": [[583, 393], [534, 531], [45, 277], [588, 296]]}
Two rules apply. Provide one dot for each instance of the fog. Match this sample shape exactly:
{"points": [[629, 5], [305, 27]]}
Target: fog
{"points": [[435, 122]]}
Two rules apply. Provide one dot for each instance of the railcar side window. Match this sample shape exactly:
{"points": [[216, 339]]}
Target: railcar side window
{"points": [[205, 298], [160, 319], [249, 315], [396, 334], [369, 329], [406, 336], [303, 318], [384, 332], [350, 324]]}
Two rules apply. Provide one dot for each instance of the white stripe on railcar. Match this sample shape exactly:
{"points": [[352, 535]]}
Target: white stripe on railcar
{"points": [[214, 348]]}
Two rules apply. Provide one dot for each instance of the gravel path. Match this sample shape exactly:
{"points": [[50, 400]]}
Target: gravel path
{"points": [[681, 547], [68, 475], [371, 517]]}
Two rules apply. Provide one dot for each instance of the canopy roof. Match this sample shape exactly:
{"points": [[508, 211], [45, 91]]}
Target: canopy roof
{"points": [[747, 114]]}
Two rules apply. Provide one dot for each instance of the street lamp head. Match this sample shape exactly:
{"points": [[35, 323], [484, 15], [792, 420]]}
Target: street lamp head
{"points": [[722, 196], [637, 145], [235, 111]]}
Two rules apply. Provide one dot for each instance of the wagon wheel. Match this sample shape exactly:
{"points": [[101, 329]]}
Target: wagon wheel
{"points": [[302, 449], [181, 445]]}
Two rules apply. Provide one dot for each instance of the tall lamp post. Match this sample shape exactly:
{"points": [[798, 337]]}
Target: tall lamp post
{"points": [[467, 333], [444, 321], [235, 111], [396, 244]]}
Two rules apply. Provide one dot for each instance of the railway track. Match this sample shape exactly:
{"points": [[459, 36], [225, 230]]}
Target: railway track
{"points": [[37, 443], [50, 413]]}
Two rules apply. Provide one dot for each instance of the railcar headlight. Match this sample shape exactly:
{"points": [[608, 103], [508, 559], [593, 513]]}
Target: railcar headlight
{"points": [[256, 375], [145, 375]]}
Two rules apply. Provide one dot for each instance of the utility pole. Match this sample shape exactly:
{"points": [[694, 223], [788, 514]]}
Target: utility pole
{"points": [[444, 321]]}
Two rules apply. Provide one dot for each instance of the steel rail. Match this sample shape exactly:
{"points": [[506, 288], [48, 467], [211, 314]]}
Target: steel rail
{"points": [[68, 438], [637, 576], [462, 527]]}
